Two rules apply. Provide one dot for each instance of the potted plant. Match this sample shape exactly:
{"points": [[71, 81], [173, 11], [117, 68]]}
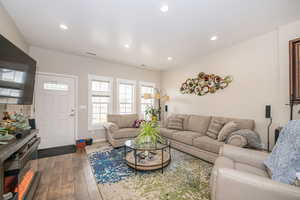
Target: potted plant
{"points": [[149, 133], [152, 113]]}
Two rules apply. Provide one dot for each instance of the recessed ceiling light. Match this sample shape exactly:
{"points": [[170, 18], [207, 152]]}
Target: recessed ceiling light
{"points": [[63, 26], [170, 58], [164, 8], [213, 38], [127, 46]]}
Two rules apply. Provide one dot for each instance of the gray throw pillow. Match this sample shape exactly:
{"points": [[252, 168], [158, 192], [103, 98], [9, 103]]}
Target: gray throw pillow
{"points": [[253, 138], [175, 123], [214, 128]]}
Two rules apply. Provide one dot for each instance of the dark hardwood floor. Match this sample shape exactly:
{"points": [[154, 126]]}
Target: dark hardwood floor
{"points": [[67, 177]]}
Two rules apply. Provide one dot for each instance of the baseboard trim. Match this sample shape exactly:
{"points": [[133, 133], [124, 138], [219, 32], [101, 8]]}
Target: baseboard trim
{"points": [[56, 151], [99, 140]]}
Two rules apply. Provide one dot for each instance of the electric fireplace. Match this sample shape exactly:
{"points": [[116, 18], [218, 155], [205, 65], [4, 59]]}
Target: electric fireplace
{"points": [[21, 174]]}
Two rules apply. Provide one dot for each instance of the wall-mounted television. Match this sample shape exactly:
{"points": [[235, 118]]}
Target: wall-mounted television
{"points": [[17, 74]]}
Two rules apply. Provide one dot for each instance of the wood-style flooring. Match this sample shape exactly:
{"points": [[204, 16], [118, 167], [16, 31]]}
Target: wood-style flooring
{"points": [[67, 177]]}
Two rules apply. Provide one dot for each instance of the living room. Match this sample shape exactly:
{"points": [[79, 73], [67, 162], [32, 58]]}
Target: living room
{"points": [[109, 74]]}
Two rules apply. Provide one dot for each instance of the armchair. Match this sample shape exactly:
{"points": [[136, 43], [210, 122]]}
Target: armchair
{"points": [[239, 174], [119, 128]]}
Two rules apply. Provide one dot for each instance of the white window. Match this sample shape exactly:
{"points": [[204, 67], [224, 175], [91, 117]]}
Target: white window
{"points": [[100, 100], [146, 88], [126, 96]]}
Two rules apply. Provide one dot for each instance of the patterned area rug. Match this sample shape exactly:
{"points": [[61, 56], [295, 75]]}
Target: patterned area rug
{"points": [[186, 177]]}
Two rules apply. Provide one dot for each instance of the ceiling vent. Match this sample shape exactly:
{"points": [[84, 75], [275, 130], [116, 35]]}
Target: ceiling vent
{"points": [[91, 53]]}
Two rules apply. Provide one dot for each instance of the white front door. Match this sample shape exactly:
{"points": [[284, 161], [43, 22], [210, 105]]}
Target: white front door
{"points": [[55, 110]]}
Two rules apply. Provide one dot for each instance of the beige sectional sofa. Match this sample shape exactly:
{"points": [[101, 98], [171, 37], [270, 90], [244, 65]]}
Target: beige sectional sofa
{"points": [[193, 138], [241, 174]]}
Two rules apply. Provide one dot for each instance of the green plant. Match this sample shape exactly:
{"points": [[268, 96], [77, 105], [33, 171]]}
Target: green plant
{"points": [[149, 133], [152, 112]]}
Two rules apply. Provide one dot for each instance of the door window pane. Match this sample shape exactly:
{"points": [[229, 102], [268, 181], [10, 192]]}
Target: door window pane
{"points": [[56, 86]]}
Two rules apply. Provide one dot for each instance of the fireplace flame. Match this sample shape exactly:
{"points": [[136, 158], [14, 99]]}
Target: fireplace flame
{"points": [[23, 186]]}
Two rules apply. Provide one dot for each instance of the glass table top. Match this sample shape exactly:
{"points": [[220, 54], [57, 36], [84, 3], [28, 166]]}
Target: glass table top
{"points": [[147, 146]]}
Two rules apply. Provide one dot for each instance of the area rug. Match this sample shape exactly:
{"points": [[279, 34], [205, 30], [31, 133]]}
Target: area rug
{"points": [[186, 177]]}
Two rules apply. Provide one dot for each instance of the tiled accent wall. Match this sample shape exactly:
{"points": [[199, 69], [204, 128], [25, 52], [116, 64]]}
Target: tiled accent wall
{"points": [[25, 109]]}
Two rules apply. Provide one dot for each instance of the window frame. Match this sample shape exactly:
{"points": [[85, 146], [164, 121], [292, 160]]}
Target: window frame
{"points": [[130, 82], [145, 84], [92, 78]]}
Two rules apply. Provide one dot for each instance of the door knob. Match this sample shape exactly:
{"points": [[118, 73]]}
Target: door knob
{"points": [[72, 112]]}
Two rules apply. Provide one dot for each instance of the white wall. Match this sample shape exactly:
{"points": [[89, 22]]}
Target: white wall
{"points": [[61, 63], [9, 30], [260, 70]]}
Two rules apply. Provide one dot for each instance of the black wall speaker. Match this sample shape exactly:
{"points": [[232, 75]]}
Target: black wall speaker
{"points": [[268, 111], [166, 108], [32, 123]]}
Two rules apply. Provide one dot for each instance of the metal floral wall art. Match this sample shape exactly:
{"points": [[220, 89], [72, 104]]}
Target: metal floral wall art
{"points": [[205, 83]]}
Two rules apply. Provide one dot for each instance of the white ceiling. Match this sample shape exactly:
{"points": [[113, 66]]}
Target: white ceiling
{"points": [[105, 26]]}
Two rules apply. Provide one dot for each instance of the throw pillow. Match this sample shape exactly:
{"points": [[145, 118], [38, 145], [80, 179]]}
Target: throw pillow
{"points": [[226, 130], [237, 140], [214, 128], [175, 123], [137, 123], [253, 138]]}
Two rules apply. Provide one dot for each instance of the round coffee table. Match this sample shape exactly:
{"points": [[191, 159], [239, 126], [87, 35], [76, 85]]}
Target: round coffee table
{"points": [[147, 156]]}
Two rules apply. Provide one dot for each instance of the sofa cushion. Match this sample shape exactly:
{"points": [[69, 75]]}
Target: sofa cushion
{"points": [[186, 137], [168, 132], [227, 129], [208, 144], [242, 123], [126, 121], [125, 133], [214, 128], [198, 123], [250, 169]]}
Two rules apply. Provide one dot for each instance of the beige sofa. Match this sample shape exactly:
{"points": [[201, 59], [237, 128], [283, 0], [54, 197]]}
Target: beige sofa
{"points": [[193, 138], [239, 174], [119, 128]]}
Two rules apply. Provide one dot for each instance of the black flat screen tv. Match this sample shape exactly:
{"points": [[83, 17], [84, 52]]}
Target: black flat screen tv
{"points": [[17, 74]]}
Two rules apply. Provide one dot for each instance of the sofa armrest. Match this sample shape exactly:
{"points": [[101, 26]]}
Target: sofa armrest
{"points": [[246, 156], [111, 127], [231, 184]]}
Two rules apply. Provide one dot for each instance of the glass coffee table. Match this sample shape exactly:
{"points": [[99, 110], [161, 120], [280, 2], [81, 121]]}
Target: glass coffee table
{"points": [[147, 156]]}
